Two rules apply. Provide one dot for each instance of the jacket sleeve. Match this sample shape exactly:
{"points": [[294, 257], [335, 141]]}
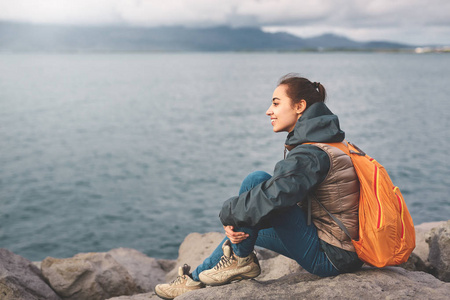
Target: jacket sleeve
{"points": [[305, 167]]}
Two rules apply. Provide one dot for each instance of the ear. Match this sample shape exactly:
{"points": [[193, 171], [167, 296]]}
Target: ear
{"points": [[300, 107]]}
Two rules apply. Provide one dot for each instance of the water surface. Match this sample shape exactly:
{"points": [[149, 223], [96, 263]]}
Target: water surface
{"points": [[100, 151]]}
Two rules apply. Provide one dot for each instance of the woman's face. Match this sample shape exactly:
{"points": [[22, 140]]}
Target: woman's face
{"points": [[283, 112]]}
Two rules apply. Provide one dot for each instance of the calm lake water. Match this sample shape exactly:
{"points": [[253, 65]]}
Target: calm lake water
{"points": [[99, 151]]}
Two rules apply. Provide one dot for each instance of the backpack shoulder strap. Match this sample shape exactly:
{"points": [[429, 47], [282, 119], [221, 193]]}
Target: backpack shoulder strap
{"points": [[338, 222]]}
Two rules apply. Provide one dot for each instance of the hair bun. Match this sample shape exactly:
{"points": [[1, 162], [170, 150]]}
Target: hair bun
{"points": [[300, 88]]}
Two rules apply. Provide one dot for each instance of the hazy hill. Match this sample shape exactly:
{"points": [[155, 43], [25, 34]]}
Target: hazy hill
{"points": [[56, 38]]}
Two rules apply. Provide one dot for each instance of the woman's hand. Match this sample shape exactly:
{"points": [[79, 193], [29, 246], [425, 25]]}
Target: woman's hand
{"points": [[235, 237]]}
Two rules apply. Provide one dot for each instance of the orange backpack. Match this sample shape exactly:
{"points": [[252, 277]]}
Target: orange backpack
{"points": [[386, 230]]}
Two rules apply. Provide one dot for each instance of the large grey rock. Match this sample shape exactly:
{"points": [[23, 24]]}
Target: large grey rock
{"points": [[422, 249], [277, 267], [388, 283], [282, 278], [121, 271], [415, 263], [369, 283], [21, 279], [146, 271], [146, 296], [439, 255], [167, 264], [93, 276], [418, 261]]}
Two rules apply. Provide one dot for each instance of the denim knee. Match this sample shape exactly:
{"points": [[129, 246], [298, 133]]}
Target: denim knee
{"points": [[253, 179]]}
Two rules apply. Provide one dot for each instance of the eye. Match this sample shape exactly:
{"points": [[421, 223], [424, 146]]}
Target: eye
{"points": [[275, 103]]}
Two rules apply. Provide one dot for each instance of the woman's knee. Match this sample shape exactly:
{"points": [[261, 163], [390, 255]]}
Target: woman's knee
{"points": [[253, 179]]}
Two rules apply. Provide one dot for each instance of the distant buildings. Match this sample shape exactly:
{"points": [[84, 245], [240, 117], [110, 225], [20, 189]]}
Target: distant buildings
{"points": [[440, 49]]}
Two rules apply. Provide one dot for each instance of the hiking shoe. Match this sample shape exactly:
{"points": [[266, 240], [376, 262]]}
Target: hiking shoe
{"points": [[180, 285], [231, 267]]}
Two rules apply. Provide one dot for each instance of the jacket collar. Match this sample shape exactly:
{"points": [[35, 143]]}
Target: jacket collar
{"points": [[317, 124]]}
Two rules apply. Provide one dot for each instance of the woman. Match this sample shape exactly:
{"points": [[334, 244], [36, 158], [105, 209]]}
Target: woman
{"points": [[274, 212]]}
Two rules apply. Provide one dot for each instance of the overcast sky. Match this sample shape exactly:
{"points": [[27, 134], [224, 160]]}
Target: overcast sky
{"points": [[408, 21]]}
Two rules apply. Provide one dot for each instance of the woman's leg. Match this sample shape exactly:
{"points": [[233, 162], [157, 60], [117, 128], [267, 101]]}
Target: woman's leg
{"points": [[210, 261], [292, 237], [252, 180], [289, 236]]}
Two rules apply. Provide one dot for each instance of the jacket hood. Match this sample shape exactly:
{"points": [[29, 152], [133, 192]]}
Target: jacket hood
{"points": [[317, 124]]}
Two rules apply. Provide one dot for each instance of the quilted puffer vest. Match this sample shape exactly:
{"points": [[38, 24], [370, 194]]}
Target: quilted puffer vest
{"points": [[339, 193]]}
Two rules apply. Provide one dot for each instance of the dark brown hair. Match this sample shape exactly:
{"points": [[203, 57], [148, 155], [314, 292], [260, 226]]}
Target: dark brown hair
{"points": [[299, 88]]}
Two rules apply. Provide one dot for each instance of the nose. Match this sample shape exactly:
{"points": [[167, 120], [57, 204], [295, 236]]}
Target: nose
{"points": [[269, 111]]}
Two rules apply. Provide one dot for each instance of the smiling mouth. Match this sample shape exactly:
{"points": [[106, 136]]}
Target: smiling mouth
{"points": [[272, 120]]}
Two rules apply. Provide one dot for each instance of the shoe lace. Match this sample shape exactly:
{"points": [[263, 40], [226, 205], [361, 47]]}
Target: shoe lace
{"points": [[178, 280], [224, 262], [185, 271]]}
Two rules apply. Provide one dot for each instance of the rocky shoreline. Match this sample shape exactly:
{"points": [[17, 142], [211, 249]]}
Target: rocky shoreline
{"points": [[127, 274]]}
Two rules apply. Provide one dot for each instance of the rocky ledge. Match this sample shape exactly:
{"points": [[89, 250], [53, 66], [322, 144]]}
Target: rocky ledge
{"points": [[127, 274]]}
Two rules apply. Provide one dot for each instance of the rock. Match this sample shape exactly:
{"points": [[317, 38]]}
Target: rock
{"points": [[121, 271], [415, 263], [282, 278], [422, 231], [262, 253], [194, 249], [439, 255], [388, 283], [145, 271], [21, 279], [147, 296], [93, 276], [277, 267], [418, 261], [37, 264], [369, 283], [167, 264], [274, 265]]}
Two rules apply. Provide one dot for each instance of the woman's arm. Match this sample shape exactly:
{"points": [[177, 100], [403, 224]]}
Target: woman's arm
{"points": [[305, 167], [235, 236]]}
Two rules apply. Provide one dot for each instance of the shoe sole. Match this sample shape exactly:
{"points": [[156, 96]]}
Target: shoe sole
{"points": [[165, 298], [171, 298], [230, 280]]}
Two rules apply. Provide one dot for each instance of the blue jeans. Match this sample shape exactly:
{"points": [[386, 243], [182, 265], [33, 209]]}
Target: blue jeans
{"points": [[289, 236]]}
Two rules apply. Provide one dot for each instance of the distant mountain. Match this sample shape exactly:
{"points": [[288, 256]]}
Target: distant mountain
{"points": [[60, 38], [332, 41]]}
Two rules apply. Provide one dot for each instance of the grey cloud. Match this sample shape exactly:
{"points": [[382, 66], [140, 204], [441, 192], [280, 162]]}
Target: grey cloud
{"points": [[347, 15], [232, 12], [235, 19]]}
